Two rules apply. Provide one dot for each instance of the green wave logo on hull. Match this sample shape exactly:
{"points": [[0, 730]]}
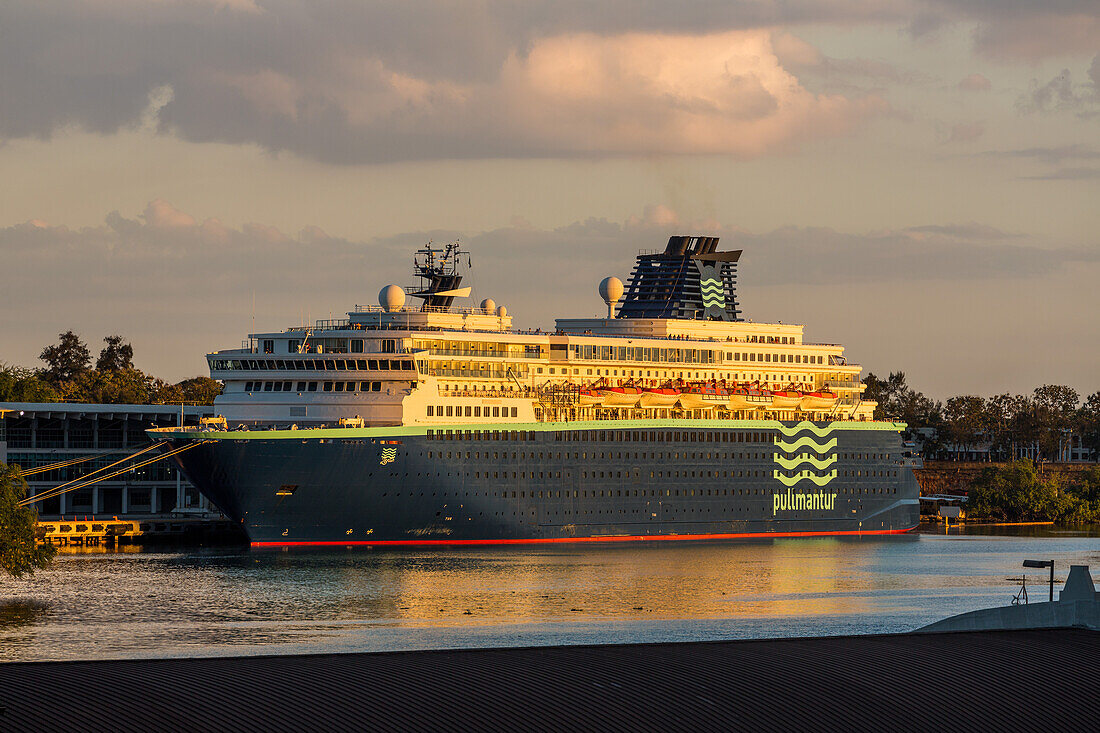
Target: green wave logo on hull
{"points": [[799, 451], [790, 464], [820, 480]]}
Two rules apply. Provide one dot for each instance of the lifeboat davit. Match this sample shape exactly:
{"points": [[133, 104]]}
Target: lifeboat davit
{"points": [[818, 400], [659, 397], [620, 396], [786, 399]]}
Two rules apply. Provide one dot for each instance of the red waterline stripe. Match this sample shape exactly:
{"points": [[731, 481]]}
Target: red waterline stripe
{"points": [[616, 538]]}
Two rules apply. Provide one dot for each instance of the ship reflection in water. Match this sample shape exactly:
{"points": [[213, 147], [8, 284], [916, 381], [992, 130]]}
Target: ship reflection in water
{"points": [[278, 602]]}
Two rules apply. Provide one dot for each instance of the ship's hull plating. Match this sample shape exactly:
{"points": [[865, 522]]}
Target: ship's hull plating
{"points": [[556, 483]]}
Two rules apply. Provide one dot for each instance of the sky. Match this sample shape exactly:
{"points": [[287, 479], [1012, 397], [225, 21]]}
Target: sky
{"points": [[916, 179]]}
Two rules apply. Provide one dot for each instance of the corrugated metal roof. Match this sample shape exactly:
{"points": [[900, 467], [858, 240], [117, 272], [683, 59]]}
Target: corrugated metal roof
{"points": [[1039, 679]]}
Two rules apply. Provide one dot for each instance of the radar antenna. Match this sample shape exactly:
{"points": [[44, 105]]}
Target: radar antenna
{"points": [[438, 268]]}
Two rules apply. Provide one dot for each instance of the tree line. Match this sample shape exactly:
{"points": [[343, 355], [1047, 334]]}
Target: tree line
{"points": [[69, 375], [1039, 426]]}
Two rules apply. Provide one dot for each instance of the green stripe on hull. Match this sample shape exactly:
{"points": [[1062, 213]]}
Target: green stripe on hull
{"points": [[398, 431]]}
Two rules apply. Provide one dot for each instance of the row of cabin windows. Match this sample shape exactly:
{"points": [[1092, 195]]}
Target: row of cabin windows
{"points": [[470, 411], [616, 436], [312, 386], [621, 493], [338, 345], [316, 365], [601, 456], [781, 358]]}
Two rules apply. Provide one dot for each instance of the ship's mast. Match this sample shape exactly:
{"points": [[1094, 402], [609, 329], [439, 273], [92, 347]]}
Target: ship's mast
{"points": [[438, 268]]}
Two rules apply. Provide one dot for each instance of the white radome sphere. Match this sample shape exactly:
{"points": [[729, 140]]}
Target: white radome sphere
{"points": [[611, 289], [501, 311], [488, 305], [391, 298]]}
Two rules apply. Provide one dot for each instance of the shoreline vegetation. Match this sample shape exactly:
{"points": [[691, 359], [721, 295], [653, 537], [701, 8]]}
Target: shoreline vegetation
{"points": [[1018, 493], [69, 376]]}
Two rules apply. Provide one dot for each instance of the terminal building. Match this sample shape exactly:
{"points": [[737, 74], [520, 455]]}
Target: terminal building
{"points": [[33, 435]]}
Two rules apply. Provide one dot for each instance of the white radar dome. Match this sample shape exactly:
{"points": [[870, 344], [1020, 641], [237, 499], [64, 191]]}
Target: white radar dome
{"points": [[502, 311], [488, 305], [391, 298], [611, 289]]}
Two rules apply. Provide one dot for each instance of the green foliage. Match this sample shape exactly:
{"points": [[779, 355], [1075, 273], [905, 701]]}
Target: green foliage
{"points": [[116, 355], [20, 554], [121, 387], [23, 385], [1017, 493], [115, 380], [66, 360]]}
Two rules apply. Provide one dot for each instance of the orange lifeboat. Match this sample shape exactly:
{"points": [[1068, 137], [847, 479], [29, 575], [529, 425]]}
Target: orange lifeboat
{"points": [[824, 400], [747, 399], [659, 396], [702, 396], [620, 396], [786, 399]]}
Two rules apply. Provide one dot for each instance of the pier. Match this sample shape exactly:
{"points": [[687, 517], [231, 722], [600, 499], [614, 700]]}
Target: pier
{"points": [[1045, 679]]}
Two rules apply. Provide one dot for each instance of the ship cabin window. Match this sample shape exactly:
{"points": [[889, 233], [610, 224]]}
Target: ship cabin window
{"points": [[357, 346], [469, 411], [339, 386], [515, 412], [496, 412], [328, 386], [269, 346], [292, 346], [312, 387], [431, 410], [450, 410], [477, 412], [267, 386], [301, 387]]}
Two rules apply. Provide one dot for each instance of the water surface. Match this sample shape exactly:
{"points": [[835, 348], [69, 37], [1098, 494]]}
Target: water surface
{"points": [[230, 602]]}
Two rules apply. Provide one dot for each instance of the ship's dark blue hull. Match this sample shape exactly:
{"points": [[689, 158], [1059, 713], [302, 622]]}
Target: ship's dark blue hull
{"points": [[567, 484]]}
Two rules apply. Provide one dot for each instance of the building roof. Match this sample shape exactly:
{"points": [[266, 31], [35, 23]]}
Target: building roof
{"points": [[42, 409], [1035, 679]]}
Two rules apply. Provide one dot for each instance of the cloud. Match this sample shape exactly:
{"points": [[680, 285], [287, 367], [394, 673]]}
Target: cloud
{"points": [[1052, 155], [166, 272], [348, 83], [1062, 94], [975, 83], [1068, 174], [356, 81]]}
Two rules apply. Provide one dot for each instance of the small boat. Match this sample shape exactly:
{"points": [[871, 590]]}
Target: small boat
{"points": [[620, 396], [659, 396], [588, 397], [704, 397], [786, 399], [743, 399], [823, 400]]}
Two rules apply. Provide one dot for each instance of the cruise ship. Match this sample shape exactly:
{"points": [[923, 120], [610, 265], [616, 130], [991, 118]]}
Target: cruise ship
{"points": [[427, 423]]}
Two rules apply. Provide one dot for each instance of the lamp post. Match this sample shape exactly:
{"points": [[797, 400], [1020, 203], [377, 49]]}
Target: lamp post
{"points": [[1043, 564]]}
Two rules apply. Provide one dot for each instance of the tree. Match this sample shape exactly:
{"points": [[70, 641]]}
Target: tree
{"points": [[123, 387], [115, 356], [67, 360], [20, 554], [1087, 423], [194, 391], [965, 420], [1055, 406]]}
